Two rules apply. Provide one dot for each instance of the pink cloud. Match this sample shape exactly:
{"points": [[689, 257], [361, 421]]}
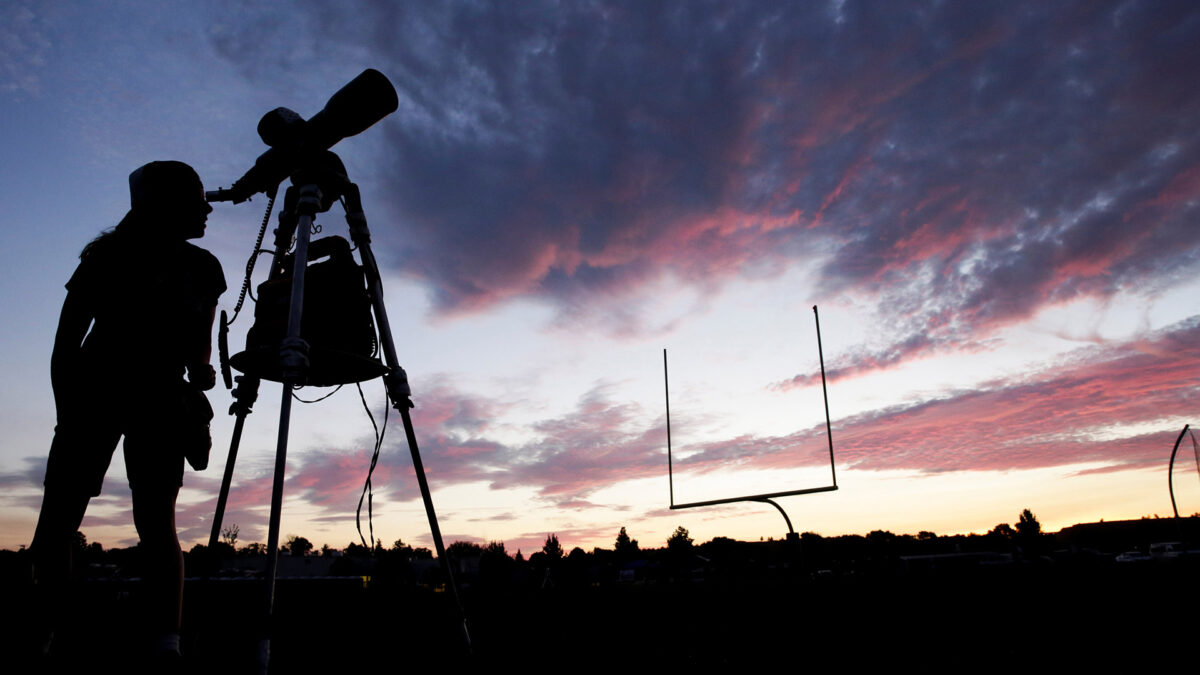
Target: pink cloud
{"points": [[1044, 419], [1058, 416]]}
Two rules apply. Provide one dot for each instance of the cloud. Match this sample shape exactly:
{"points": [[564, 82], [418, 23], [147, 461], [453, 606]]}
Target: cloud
{"points": [[23, 50], [958, 168], [532, 542], [1063, 414], [499, 517], [1058, 416], [1070, 412], [963, 167], [1055, 417], [248, 507]]}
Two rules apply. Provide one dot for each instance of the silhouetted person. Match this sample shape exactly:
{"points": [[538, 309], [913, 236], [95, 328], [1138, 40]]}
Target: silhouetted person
{"points": [[148, 297]]}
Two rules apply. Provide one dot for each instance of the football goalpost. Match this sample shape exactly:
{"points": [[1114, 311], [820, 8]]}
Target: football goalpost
{"points": [[769, 497]]}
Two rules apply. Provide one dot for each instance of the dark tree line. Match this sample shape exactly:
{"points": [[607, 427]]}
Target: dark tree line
{"points": [[680, 557]]}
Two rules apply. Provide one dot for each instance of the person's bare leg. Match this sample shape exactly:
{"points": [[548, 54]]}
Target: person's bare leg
{"points": [[52, 551], [154, 517]]}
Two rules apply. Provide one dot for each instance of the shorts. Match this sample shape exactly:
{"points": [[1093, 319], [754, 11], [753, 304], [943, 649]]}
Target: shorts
{"points": [[84, 442]]}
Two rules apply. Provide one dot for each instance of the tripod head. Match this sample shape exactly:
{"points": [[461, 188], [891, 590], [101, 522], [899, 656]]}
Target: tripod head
{"points": [[295, 142], [324, 170]]}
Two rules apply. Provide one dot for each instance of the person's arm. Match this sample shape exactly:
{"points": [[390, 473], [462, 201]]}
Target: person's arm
{"points": [[199, 366], [66, 363]]}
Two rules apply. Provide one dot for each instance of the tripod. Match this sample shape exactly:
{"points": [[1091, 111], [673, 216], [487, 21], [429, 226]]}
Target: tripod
{"points": [[315, 187]]}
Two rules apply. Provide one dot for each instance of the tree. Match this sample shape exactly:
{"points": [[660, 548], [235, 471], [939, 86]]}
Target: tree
{"points": [[679, 540], [229, 535], [494, 554], [462, 550], [1002, 531], [552, 548], [402, 549], [624, 545], [495, 567], [298, 546], [1028, 525], [881, 537], [1029, 534], [357, 550]]}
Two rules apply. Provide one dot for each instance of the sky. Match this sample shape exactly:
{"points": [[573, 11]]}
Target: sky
{"points": [[994, 206]]}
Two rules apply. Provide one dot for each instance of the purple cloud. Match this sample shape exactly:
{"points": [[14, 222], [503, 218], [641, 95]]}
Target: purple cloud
{"points": [[965, 166]]}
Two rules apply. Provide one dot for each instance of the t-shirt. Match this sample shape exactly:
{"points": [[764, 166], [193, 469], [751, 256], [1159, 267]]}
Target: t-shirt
{"points": [[151, 305]]}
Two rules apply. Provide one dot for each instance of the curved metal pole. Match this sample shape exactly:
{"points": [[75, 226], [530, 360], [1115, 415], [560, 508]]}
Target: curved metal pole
{"points": [[1171, 469], [791, 532]]}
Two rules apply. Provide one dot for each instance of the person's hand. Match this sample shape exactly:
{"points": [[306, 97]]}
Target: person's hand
{"points": [[202, 376]]}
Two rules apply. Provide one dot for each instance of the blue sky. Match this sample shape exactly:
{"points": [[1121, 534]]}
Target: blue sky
{"points": [[994, 204]]}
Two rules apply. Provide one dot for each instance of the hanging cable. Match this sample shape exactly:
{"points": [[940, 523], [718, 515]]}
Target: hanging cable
{"points": [[250, 291], [368, 492], [316, 400], [262, 232]]}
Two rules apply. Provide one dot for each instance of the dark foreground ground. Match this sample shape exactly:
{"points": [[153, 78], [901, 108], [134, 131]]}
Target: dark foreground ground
{"points": [[1031, 618]]}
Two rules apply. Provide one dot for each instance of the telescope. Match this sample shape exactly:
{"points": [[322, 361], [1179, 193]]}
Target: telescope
{"points": [[364, 101], [319, 318]]}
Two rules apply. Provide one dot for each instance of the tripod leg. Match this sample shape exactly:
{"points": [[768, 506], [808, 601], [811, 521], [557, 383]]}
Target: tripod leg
{"points": [[245, 394], [285, 411], [396, 382], [294, 358], [434, 529]]}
